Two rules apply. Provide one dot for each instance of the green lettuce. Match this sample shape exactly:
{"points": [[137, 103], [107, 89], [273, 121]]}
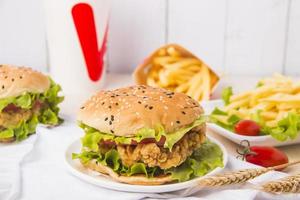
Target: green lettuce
{"points": [[93, 136], [230, 122], [24, 101], [22, 131], [7, 133], [206, 158], [226, 94], [49, 115]]}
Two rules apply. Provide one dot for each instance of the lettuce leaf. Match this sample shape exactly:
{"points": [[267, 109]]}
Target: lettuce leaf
{"points": [[204, 159], [226, 94], [22, 131], [49, 115], [229, 121], [8, 133], [93, 136], [24, 101]]}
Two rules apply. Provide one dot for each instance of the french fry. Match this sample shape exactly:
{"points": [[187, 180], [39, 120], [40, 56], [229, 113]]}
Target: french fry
{"points": [[173, 52], [164, 60], [176, 69], [183, 62], [274, 98]]}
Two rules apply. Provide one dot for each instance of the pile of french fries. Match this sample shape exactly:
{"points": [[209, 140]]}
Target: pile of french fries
{"points": [[274, 97], [179, 72]]}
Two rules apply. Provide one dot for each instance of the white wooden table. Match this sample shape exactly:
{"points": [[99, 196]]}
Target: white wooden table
{"points": [[72, 102]]}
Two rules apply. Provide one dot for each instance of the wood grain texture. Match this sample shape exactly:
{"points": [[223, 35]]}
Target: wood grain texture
{"points": [[136, 29], [292, 63], [199, 26], [22, 38], [255, 36]]}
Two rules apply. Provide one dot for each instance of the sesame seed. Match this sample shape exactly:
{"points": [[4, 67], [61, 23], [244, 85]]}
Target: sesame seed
{"points": [[110, 122], [183, 112], [106, 118], [80, 108], [150, 107], [3, 87], [12, 79], [178, 122], [111, 131]]}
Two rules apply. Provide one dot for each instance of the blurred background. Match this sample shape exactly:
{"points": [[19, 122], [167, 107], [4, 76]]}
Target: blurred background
{"points": [[235, 37]]}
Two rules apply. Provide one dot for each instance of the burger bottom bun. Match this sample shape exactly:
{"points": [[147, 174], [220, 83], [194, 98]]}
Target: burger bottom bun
{"points": [[7, 140], [133, 180]]}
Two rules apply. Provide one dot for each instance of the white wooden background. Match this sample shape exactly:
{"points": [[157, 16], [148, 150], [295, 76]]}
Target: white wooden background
{"points": [[253, 37]]}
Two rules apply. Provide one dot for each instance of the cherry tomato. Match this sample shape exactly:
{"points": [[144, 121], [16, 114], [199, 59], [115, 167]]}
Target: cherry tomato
{"points": [[266, 156], [247, 127]]}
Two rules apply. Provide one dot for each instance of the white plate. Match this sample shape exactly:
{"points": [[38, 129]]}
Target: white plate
{"points": [[98, 179], [254, 140]]}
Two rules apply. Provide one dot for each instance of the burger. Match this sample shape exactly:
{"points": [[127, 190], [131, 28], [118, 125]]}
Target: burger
{"points": [[27, 97], [147, 136]]}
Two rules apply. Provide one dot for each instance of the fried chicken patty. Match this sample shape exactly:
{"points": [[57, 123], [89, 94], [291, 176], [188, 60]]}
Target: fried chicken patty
{"points": [[153, 155], [12, 117]]}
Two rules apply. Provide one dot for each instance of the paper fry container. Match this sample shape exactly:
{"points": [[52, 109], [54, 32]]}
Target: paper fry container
{"points": [[141, 73]]}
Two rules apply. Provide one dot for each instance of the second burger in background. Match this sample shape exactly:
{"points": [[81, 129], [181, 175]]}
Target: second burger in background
{"points": [[27, 97], [145, 135]]}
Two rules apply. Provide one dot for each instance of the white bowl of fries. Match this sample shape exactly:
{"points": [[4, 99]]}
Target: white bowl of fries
{"points": [[174, 68], [274, 104]]}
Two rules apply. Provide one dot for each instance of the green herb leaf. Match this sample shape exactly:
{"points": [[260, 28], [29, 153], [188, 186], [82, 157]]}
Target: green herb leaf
{"points": [[226, 94]]}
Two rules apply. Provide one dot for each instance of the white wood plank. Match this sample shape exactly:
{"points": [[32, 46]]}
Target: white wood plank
{"points": [[22, 38], [255, 36], [292, 64], [199, 26], [136, 29]]}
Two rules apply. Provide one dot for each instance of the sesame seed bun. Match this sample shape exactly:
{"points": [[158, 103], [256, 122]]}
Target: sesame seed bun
{"points": [[134, 179], [124, 111], [14, 81]]}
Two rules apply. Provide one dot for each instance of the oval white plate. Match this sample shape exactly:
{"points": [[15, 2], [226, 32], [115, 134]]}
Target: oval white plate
{"points": [[254, 140], [98, 179]]}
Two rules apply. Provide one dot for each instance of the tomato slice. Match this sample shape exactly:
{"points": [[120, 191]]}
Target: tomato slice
{"points": [[108, 142], [11, 108]]}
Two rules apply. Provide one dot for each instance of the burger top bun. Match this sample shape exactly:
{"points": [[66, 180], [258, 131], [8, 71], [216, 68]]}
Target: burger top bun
{"points": [[14, 81], [124, 111]]}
